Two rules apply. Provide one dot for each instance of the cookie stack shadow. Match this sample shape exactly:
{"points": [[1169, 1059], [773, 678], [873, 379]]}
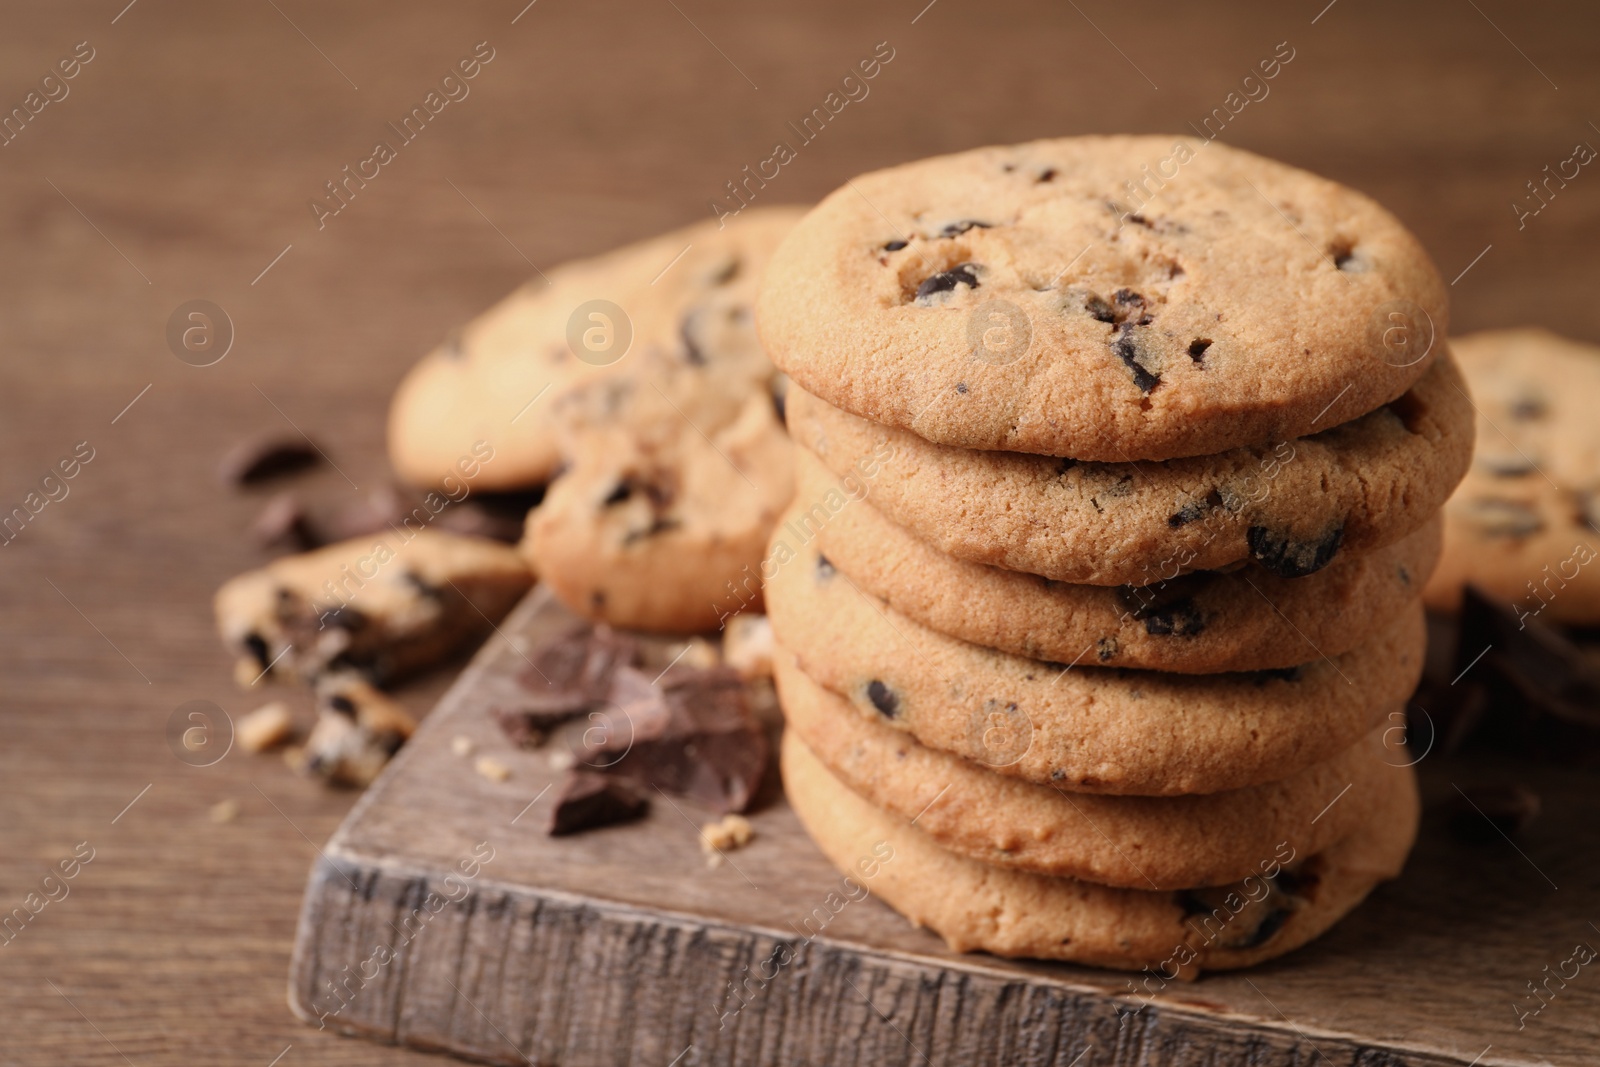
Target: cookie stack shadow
{"points": [[1143, 713]]}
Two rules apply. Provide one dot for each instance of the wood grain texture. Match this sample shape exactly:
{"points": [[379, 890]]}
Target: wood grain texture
{"points": [[620, 945], [191, 144]]}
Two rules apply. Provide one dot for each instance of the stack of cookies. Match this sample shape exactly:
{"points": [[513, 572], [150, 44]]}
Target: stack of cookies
{"points": [[1098, 607]]}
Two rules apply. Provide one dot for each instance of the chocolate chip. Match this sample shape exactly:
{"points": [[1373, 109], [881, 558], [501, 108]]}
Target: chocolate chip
{"points": [[1197, 348], [895, 245], [586, 800], [778, 389], [380, 511], [1492, 516], [342, 704], [1266, 928], [1128, 298], [825, 567], [1486, 812], [1528, 408], [883, 698], [1194, 510], [961, 387], [1507, 466], [622, 491], [1133, 355], [1181, 618], [423, 587], [946, 281], [256, 645], [956, 229], [1046, 175], [689, 732], [266, 457], [283, 523], [1140, 220], [1106, 649], [1288, 558], [1098, 309], [726, 271]]}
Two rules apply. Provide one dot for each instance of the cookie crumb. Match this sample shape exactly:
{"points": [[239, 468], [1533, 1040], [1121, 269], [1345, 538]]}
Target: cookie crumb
{"points": [[225, 811], [461, 745], [492, 769], [268, 727], [732, 832]]}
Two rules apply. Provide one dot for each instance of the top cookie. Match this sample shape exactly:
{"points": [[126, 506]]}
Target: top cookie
{"points": [[1102, 298], [664, 323]]}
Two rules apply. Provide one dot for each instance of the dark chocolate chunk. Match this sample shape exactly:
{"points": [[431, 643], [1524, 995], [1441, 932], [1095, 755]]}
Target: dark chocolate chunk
{"points": [[256, 645], [264, 457], [1486, 812], [690, 732], [342, 704], [1127, 297], [474, 518], [825, 567], [380, 511], [895, 245], [1128, 349], [585, 800], [1139, 220], [571, 672], [956, 229], [1098, 309], [883, 698], [1181, 618], [622, 491], [283, 523], [423, 587], [946, 281], [1293, 559], [1106, 649], [1197, 349], [961, 387], [1046, 175]]}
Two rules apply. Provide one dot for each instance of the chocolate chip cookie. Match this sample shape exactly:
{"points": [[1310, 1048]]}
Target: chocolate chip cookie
{"points": [[667, 320], [1105, 298], [1242, 619], [1290, 507], [1290, 899], [384, 605], [1522, 526], [1135, 842], [1087, 729]]}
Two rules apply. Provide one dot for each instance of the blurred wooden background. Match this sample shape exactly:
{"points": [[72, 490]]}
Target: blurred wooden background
{"points": [[180, 164]]}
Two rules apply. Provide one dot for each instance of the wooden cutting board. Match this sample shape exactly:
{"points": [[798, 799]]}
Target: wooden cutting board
{"points": [[440, 916]]}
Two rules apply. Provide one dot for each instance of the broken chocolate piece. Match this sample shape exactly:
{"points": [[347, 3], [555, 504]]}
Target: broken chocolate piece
{"points": [[1195, 509], [1179, 618], [1098, 309], [1293, 559], [585, 800], [260, 458], [572, 671], [283, 523], [380, 511], [946, 281], [1486, 812], [690, 732]]}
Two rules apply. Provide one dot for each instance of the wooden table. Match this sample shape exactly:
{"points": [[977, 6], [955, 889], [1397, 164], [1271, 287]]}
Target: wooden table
{"points": [[179, 166]]}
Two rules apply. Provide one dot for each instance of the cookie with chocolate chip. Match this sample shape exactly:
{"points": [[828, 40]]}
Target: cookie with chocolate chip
{"points": [[1104, 298], [385, 605], [633, 386], [1292, 896], [1291, 507], [1135, 842], [1084, 728], [1243, 618], [1524, 525]]}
